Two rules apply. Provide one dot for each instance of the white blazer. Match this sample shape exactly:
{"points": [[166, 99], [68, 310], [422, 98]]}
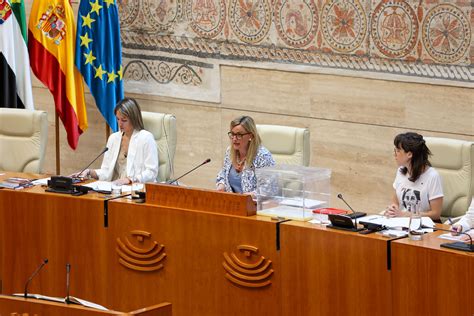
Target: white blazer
{"points": [[467, 221], [142, 157]]}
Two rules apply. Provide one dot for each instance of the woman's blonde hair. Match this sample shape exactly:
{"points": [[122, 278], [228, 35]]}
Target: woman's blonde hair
{"points": [[129, 107], [249, 125]]}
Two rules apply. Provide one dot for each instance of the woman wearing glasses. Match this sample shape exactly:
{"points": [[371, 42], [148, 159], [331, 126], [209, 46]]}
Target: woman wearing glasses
{"points": [[242, 157]]}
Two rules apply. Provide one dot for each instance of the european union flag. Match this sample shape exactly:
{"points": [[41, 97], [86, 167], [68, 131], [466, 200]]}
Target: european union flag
{"points": [[99, 54]]}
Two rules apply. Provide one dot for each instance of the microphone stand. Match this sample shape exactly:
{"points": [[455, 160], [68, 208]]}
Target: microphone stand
{"points": [[45, 261], [354, 214], [102, 152], [203, 163], [68, 272]]}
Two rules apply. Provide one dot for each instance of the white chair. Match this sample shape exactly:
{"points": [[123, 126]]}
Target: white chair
{"points": [[23, 140], [163, 128], [454, 161], [288, 145]]}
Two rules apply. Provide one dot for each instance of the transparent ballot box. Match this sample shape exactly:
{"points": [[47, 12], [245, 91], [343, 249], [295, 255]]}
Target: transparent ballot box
{"points": [[292, 192]]}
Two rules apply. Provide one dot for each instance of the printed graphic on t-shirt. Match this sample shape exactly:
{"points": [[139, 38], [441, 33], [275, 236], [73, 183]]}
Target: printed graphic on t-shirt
{"points": [[411, 199]]}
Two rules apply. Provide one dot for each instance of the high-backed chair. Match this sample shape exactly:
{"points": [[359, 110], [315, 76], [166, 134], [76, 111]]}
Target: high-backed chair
{"points": [[454, 160], [23, 139], [163, 128], [288, 145]]}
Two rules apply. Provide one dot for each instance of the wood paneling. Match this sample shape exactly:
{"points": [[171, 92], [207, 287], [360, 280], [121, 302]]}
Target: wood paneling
{"points": [[429, 280], [330, 272]]}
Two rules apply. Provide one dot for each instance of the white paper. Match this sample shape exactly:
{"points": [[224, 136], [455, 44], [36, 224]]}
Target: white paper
{"points": [[298, 202], [448, 236], [393, 222], [393, 233], [287, 213], [100, 185], [43, 181]]}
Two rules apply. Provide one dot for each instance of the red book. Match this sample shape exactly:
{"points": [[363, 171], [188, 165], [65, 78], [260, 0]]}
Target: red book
{"points": [[328, 211]]}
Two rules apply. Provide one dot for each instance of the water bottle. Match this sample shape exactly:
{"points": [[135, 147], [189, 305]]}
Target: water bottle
{"points": [[415, 230]]}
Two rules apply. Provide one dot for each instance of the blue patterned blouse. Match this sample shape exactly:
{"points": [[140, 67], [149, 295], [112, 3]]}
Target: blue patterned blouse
{"points": [[249, 180]]}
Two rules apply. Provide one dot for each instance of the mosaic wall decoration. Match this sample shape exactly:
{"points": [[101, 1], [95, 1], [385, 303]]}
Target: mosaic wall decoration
{"points": [[409, 40]]}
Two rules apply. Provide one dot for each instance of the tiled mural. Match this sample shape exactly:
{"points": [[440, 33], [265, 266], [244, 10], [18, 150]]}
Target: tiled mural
{"points": [[183, 42]]}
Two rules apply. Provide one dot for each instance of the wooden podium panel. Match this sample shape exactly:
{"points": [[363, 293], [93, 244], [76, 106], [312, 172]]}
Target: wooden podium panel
{"points": [[200, 199], [430, 280], [29, 307], [204, 263], [19, 306], [332, 272], [64, 229]]}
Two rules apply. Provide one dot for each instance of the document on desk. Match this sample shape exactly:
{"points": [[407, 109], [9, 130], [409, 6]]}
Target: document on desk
{"points": [[100, 185], [298, 202], [393, 222], [448, 236]]}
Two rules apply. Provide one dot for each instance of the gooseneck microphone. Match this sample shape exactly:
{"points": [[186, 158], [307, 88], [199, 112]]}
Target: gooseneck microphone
{"points": [[101, 153], [354, 214], [208, 160], [457, 245], [45, 261], [68, 273]]}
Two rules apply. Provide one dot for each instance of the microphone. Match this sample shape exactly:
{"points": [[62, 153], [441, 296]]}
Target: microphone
{"points": [[208, 160], [45, 261], [101, 153], [354, 214], [68, 272], [457, 245]]}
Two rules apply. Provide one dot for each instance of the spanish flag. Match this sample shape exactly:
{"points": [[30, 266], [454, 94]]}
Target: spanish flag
{"points": [[51, 44]]}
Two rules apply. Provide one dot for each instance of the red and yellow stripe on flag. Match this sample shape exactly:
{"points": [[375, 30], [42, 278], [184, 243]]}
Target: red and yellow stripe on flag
{"points": [[51, 44]]}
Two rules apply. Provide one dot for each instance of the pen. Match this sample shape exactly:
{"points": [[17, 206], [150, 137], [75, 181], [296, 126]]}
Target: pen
{"points": [[450, 221]]}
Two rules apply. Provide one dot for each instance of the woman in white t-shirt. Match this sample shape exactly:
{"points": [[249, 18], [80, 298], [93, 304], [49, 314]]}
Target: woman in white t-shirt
{"points": [[417, 185]]}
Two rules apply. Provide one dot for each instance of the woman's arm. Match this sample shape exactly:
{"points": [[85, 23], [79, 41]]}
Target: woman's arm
{"points": [[435, 209]]}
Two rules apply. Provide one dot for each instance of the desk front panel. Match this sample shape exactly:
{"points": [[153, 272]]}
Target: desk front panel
{"points": [[330, 272], [430, 280], [64, 229], [194, 253]]}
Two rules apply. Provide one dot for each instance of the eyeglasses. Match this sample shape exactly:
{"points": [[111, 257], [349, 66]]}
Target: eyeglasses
{"points": [[237, 136]]}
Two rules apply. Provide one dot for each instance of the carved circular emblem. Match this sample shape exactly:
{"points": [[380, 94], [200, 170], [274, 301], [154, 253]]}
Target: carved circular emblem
{"points": [[248, 269], [394, 28], [250, 20], [296, 21], [162, 14], [128, 12], [207, 16], [343, 24], [446, 33]]}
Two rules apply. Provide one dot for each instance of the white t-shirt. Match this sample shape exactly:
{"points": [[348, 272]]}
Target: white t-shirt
{"points": [[418, 194], [467, 221]]}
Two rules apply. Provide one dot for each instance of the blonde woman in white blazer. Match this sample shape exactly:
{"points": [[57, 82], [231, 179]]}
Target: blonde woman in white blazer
{"points": [[132, 155]]}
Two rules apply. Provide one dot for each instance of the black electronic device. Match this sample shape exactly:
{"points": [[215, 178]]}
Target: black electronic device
{"points": [[343, 222], [60, 184], [457, 245]]}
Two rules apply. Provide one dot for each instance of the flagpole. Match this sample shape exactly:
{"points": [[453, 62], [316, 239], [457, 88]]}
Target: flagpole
{"points": [[58, 160]]}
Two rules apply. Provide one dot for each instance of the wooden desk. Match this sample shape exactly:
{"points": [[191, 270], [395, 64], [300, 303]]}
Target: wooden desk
{"points": [[430, 280], [20, 306], [332, 272], [197, 248]]}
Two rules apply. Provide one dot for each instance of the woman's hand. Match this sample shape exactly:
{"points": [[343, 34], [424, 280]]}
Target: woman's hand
{"points": [[393, 211], [456, 229], [221, 187], [83, 174], [123, 181]]}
